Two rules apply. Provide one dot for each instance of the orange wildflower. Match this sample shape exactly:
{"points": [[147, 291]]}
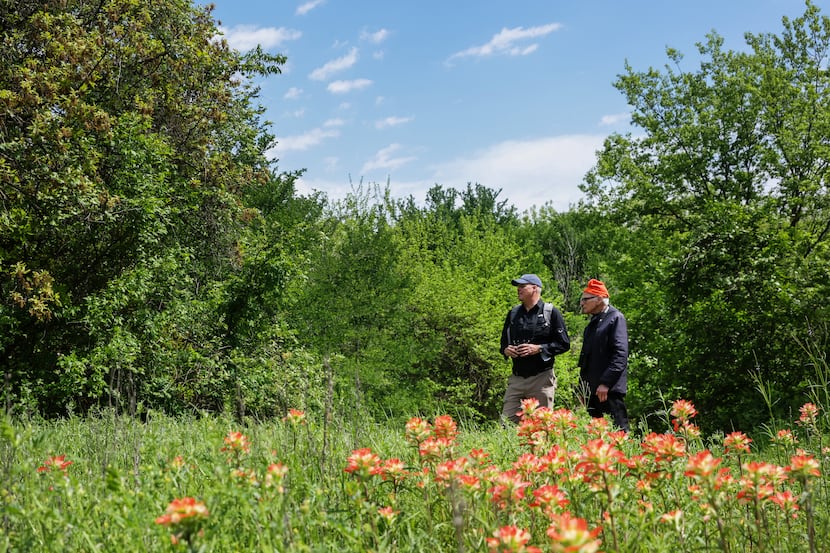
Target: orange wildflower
{"points": [[549, 495], [388, 514], [737, 442], [435, 449], [702, 465], [444, 427], [393, 470], [809, 415], [529, 406], [528, 464], [448, 472], [508, 489], [275, 475], [236, 442], [803, 467], [417, 430], [295, 417], [787, 501], [784, 438], [571, 535], [362, 463], [183, 510], [663, 447], [510, 539], [58, 463], [598, 457], [683, 410]]}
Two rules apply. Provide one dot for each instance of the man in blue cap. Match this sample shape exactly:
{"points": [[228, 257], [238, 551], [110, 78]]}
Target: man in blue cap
{"points": [[533, 334]]}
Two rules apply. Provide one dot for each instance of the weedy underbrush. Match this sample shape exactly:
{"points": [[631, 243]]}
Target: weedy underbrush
{"points": [[559, 481]]}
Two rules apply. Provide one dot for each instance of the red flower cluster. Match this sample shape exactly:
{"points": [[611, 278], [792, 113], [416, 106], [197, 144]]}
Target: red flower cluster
{"points": [[182, 510], [57, 463]]}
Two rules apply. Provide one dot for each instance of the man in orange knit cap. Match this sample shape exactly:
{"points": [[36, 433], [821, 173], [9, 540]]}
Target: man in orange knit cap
{"points": [[603, 360]]}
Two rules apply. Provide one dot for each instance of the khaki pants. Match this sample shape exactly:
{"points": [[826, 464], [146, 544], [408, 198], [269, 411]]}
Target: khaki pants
{"points": [[541, 386]]}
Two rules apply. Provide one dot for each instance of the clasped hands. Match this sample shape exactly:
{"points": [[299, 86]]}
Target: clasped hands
{"points": [[522, 350]]}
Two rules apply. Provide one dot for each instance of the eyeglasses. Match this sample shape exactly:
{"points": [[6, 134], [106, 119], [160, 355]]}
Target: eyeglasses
{"points": [[588, 298]]}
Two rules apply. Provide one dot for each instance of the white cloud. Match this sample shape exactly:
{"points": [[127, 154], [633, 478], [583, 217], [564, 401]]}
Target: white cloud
{"points": [[247, 37], [334, 123], [392, 122], [505, 42], [302, 141], [613, 119], [342, 87], [383, 160], [306, 7], [293, 93], [334, 66], [375, 38], [529, 172], [330, 163]]}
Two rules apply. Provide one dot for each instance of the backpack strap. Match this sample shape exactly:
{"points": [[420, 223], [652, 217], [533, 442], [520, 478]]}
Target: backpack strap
{"points": [[548, 311]]}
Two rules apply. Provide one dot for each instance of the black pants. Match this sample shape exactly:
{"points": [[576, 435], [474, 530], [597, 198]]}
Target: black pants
{"points": [[614, 406]]}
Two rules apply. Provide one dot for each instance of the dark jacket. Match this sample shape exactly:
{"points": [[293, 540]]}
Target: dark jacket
{"points": [[530, 327], [604, 355]]}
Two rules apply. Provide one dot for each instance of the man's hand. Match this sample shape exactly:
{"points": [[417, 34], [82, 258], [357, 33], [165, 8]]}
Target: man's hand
{"points": [[602, 393], [525, 350]]}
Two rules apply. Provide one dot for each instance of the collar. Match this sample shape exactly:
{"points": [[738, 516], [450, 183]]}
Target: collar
{"points": [[601, 313]]}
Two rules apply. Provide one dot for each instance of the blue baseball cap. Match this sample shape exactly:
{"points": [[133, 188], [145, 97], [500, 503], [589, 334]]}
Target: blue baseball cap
{"points": [[527, 279]]}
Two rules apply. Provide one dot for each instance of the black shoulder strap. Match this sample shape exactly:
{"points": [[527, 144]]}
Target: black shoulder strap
{"points": [[547, 310], [511, 318]]}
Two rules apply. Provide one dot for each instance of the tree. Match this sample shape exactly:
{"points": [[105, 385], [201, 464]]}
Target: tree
{"points": [[727, 192], [127, 134]]}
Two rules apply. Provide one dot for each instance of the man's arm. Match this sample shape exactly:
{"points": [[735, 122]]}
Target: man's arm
{"points": [[505, 334], [618, 351]]}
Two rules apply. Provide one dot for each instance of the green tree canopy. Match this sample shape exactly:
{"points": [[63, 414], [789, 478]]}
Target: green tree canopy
{"points": [[726, 192], [128, 139]]}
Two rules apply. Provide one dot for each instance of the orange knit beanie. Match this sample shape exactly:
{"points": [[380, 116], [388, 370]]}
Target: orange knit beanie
{"points": [[597, 288]]}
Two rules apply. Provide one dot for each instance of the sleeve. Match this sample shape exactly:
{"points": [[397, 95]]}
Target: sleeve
{"points": [[559, 341], [505, 335], [617, 352]]}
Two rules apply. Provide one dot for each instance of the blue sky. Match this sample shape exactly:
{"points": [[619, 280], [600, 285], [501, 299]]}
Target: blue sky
{"points": [[514, 95]]}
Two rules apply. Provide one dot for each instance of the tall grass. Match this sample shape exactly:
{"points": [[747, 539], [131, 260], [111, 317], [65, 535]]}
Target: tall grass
{"points": [[560, 481]]}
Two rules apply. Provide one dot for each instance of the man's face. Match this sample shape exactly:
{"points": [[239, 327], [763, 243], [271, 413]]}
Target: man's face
{"points": [[590, 304], [525, 291]]}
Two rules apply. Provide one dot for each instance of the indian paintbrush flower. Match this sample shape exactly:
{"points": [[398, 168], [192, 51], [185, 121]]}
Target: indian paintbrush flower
{"points": [[808, 416], [417, 430], [183, 516], [363, 464], [58, 463], [510, 539], [444, 427], [570, 534], [295, 417], [737, 442]]}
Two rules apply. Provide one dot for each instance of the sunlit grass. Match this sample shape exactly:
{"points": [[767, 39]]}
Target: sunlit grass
{"points": [[559, 481]]}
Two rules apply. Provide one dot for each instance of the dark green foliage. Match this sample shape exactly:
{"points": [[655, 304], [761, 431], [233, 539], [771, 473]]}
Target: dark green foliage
{"points": [[128, 145], [152, 257], [726, 200]]}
